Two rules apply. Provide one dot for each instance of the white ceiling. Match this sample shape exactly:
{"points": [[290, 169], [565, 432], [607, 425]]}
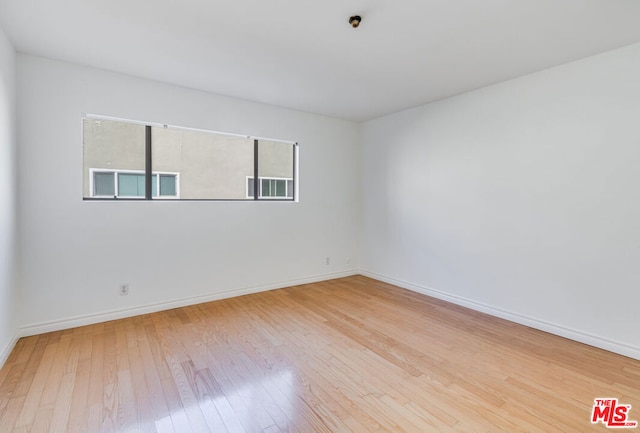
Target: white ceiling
{"points": [[303, 54]]}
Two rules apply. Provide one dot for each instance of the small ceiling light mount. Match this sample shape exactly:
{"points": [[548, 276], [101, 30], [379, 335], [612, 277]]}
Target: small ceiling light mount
{"points": [[355, 21]]}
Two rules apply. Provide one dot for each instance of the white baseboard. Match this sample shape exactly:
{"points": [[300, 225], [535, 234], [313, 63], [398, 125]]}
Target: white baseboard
{"points": [[572, 334], [90, 319], [4, 355]]}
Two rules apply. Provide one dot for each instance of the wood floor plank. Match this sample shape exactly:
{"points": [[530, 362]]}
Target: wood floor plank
{"points": [[346, 355], [109, 390], [31, 405], [78, 421], [10, 414], [32, 364], [93, 407]]}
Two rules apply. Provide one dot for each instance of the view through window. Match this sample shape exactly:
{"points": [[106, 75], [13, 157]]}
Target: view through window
{"points": [[120, 158]]}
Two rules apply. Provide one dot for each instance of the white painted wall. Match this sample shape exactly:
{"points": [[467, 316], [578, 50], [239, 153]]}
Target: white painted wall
{"points": [[521, 199], [75, 253], [8, 300]]}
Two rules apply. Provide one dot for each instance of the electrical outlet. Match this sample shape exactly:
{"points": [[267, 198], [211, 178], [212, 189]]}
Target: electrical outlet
{"points": [[327, 261], [124, 289], [348, 260]]}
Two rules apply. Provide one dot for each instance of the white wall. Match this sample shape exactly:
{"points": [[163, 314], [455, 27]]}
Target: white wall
{"points": [[74, 253], [8, 300], [521, 199]]}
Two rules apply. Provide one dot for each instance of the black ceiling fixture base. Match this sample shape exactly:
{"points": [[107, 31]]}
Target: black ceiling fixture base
{"points": [[355, 21]]}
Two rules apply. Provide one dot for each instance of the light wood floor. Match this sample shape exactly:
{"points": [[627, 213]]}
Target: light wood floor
{"points": [[348, 355]]}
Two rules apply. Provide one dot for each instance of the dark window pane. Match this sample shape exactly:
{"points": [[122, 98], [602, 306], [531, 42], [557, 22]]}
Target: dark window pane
{"points": [[250, 187], [266, 188], [168, 185], [103, 184], [281, 188], [290, 188], [130, 185]]}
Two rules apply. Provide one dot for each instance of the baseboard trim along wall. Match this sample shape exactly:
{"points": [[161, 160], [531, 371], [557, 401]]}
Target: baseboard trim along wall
{"points": [[91, 319], [4, 355], [572, 334]]}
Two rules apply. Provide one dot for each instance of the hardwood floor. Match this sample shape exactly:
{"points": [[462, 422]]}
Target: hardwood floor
{"points": [[347, 355]]}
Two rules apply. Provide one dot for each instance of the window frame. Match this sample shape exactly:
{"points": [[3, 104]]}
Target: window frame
{"points": [[116, 172], [286, 197], [148, 146]]}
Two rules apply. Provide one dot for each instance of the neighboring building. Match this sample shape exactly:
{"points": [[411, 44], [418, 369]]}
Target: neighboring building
{"points": [[186, 164]]}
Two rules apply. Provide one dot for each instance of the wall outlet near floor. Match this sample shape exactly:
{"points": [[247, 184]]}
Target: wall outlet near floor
{"points": [[327, 261], [124, 289], [348, 260]]}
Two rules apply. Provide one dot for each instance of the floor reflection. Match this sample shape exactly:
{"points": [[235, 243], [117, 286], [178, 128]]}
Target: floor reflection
{"points": [[215, 405]]}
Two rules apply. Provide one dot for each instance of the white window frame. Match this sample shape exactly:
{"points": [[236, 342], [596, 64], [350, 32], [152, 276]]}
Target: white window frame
{"points": [[116, 172], [260, 196]]}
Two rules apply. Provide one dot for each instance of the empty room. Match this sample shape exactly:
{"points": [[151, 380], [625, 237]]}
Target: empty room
{"points": [[339, 216]]}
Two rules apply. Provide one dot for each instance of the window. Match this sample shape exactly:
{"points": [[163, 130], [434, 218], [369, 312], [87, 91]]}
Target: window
{"points": [[120, 157], [131, 184], [271, 187]]}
